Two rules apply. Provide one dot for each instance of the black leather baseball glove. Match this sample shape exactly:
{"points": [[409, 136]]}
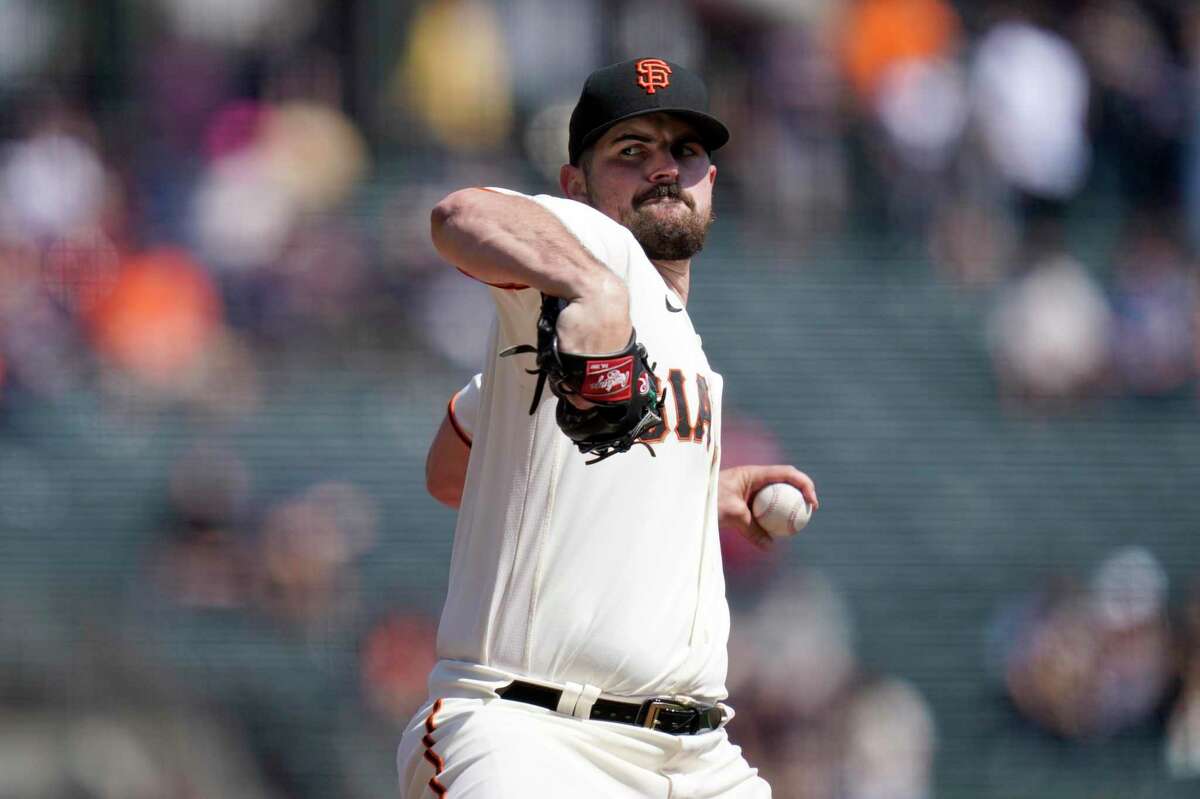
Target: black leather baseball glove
{"points": [[621, 385]]}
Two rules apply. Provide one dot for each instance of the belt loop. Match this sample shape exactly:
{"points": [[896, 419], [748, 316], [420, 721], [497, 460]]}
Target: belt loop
{"points": [[583, 706], [570, 695]]}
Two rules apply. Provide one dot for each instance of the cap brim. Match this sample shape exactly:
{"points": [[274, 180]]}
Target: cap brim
{"points": [[713, 133]]}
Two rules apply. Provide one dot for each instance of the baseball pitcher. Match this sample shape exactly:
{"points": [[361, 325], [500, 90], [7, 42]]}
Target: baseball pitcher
{"points": [[582, 646]]}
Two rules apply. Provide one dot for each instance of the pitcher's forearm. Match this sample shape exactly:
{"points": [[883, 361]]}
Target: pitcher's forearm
{"points": [[504, 239]]}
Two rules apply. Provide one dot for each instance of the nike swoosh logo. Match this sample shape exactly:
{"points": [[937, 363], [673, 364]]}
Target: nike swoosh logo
{"points": [[670, 307]]}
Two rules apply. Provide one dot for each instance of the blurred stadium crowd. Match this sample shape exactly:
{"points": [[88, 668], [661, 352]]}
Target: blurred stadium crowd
{"points": [[202, 199]]}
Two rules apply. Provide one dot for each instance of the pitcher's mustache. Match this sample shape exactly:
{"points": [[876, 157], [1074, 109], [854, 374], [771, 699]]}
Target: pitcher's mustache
{"points": [[663, 190]]}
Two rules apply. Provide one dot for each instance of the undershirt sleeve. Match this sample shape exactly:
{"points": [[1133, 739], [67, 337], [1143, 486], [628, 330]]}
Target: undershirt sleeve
{"points": [[463, 409]]}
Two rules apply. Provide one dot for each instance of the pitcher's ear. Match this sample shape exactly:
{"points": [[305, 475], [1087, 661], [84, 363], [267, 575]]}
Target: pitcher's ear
{"points": [[573, 182]]}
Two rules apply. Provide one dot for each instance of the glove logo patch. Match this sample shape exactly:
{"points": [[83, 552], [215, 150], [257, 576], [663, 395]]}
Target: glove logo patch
{"points": [[608, 381], [621, 418]]}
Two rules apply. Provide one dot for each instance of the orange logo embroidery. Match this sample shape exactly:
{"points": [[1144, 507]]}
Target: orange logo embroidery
{"points": [[653, 73]]}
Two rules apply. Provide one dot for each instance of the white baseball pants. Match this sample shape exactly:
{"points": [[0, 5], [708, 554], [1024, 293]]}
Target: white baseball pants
{"points": [[467, 743]]}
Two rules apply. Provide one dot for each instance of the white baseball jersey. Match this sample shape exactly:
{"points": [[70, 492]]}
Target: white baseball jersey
{"points": [[609, 574]]}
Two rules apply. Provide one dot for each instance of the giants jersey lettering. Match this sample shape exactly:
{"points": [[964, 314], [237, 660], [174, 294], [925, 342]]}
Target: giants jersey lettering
{"points": [[677, 414], [609, 574]]}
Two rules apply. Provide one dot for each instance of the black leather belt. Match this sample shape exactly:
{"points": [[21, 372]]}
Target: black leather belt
{"points": [[663, 715]]}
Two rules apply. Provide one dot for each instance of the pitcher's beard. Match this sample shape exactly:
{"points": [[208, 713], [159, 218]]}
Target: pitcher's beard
{"points": [[669, 236], [672, 237]]}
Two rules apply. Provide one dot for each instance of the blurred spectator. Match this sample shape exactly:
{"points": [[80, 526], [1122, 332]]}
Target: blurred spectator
{"points": [[790, 161], [1049, 670], [920, 110], [972, 240], [60, 213], [792, 667], [922, 106], [1096, 662], [891, 742], [396, 657], [158, 320], [814, 725], [880, 35], [184, 82], [1030, 92], [1141, 104], [1154, 303], [240, 215], [273, 164], [308, 546], [1128, 597], [51, 184], [455, 77], [1049, 333], [37, 340], [314, 152], [203, 563], [203, 567]]}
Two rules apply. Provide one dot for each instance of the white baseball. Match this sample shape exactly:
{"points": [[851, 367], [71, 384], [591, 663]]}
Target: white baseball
{"points": [[781, 510]]}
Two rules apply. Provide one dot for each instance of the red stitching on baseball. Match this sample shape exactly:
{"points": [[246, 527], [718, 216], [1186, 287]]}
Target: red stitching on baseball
{"points": [[774, 499]]}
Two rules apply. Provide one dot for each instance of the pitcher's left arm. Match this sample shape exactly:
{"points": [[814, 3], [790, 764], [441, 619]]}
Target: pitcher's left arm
{"points": [[450, 451]]}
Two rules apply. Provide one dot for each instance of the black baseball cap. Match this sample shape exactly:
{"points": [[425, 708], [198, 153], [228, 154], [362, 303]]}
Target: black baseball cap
{"points": [[636, 87]]}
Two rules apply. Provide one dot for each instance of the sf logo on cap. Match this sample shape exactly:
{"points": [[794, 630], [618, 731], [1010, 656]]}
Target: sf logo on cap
{"points": [[653, 73]]}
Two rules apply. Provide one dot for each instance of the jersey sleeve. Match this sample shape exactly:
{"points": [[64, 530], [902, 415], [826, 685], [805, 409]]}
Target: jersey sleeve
{"points": [[463, 409], [607, 241]]}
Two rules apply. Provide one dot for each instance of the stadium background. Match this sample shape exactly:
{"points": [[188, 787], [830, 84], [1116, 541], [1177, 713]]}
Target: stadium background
{"points": [[953, 278]]}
